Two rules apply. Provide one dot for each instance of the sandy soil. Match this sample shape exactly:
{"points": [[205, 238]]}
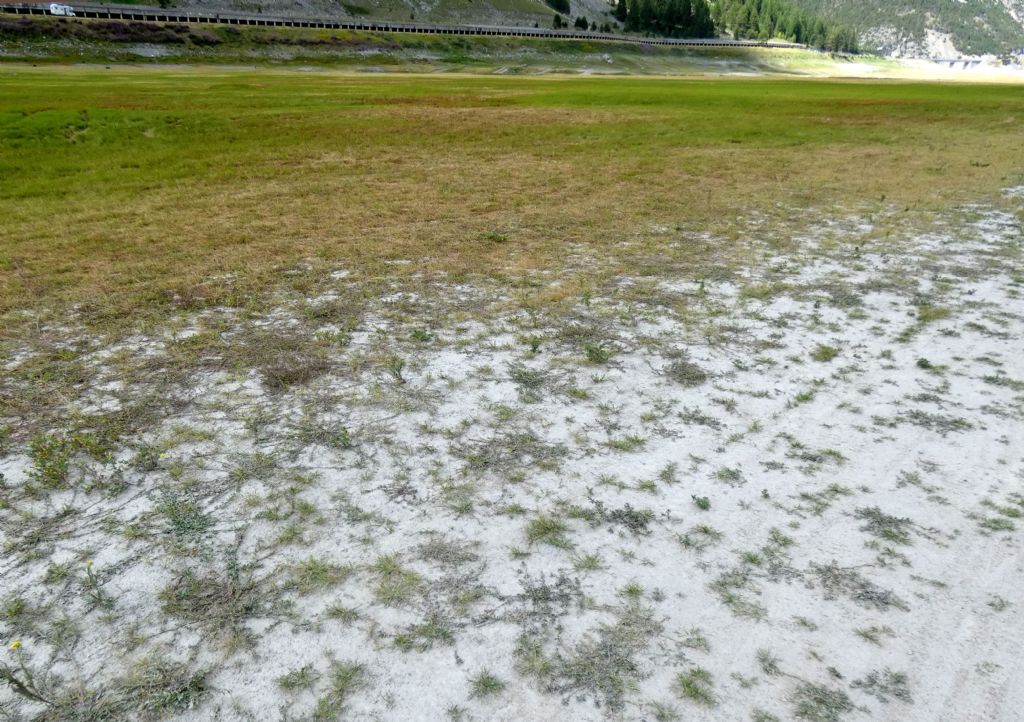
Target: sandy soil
{"points": [[790, 488]]}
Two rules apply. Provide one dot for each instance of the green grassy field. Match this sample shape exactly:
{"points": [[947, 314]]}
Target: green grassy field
{"points": [[120, 185]]}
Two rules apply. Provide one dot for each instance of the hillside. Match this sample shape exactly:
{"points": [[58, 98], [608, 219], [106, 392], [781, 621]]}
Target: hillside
{"points": [[933, 28], [915, 28], [745, 19], [525, 13]]}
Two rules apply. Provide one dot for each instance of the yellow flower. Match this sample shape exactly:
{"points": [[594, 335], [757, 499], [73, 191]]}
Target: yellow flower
{"points": [[88, 564], [16, 644], [163, 455]]}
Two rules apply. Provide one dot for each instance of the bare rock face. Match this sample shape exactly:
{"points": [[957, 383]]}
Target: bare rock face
{"points": [[1016, 9], [930, 29], [890, 41]]}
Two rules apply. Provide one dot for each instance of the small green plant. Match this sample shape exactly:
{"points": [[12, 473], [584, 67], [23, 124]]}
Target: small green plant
{"points": [[530, 382], [299, 679], [700, 537], [344, 679], [547, 530], [603, 664], [395, 365], [395, 585], [257, 465], [686, 373], [598, 353], [630, 442], [803, 397], [158, 688], [763, 291], [587, 563], [291, 534], [885, 685], [219, 601], [752, 558], [701, 502], [578, 394], [996, 523], [343, 614], [485, 684], [874, 634], [696, 685], [695, 639], [885, 526], [999, 604], [315, 574], [494, 237], [663, 712], [729, 476], [733, 588], [927, 313], [669, 474], [333, 436], [534, 343], [22, 678], [633, 590], [56, 573], [185, 520], [527, 378], [844, 580], [768, 663], [421, 637], [51, 461], [94, 589], [818, 703], [823, 353]]}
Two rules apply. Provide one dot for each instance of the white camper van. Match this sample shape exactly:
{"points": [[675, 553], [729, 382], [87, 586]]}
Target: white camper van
{"points": [[66, 10]]}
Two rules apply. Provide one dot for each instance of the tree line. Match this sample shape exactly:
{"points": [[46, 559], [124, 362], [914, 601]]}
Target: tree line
{"points": [[743, 19], [768, 19], [671, 18]]}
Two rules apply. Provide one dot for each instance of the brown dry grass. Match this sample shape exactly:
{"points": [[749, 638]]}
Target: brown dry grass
{"points": [[206, 186]]}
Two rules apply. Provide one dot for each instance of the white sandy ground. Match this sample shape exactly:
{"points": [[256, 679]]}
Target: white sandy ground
{"points": [[923, 420], [975, 70], [527, 60]]}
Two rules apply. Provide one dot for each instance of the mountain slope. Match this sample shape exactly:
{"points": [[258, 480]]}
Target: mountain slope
{"points": [[524, 13], [920, 28], [935, 28]]}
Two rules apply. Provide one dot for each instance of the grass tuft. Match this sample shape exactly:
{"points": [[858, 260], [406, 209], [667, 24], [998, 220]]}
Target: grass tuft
{"points": [[696, 685]]}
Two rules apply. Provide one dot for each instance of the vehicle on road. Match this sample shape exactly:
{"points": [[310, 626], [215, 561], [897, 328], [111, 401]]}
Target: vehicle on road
{"points": [[65, 10]]}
